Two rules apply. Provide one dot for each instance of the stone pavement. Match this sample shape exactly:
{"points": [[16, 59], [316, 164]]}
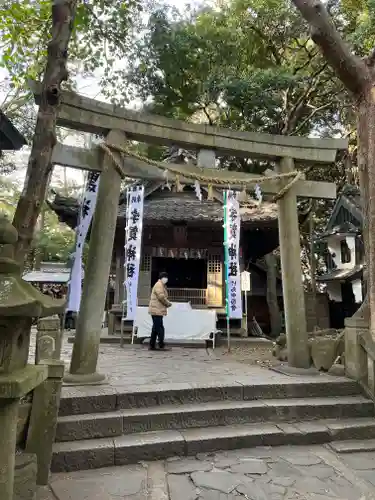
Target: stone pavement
{"points": [[284, 473], [135, 366], [293, 473]]}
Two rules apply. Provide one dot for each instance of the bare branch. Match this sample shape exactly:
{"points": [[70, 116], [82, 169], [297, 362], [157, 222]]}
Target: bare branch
{"points": [[312, 114], [298, 107], [350, 69]]}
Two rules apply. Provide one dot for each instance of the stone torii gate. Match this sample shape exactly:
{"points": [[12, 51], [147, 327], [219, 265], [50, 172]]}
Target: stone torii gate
{"points": [[118, 126]]}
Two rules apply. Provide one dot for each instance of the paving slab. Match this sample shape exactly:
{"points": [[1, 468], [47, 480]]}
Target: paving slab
{"points": [[264, 473], [105, 484], [132, 368]]}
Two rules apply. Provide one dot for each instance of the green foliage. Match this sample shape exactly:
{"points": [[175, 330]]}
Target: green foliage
{"points": [[359, 24], [101, 34], [103, 30], [248, 65], [55, 241]]}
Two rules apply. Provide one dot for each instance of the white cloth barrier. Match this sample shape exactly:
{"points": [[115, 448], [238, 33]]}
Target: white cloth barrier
{"points": [[181, 323]]}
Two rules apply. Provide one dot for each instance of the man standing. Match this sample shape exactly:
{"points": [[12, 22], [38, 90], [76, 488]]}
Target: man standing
{"points": [[159, 304]]}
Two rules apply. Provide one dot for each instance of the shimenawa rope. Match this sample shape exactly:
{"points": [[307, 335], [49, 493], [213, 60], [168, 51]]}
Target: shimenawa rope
{"points": [[203, 177]]}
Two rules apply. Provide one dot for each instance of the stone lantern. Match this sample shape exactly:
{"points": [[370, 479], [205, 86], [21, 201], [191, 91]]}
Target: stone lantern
{"points": [[20, 302]]}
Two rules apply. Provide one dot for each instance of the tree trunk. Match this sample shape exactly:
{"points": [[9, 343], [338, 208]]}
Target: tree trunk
{"points": [[39, 165], [273, 305], [366, 148], [358, 76], [363, 138], [39, 229]]}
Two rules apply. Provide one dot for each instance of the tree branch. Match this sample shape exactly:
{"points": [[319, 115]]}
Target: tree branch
{"points": [[312, 114], [298, 107], [271, 46], [351, 70], [39, 166]]}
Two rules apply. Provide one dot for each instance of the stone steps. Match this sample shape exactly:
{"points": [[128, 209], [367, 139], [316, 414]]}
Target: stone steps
{"points": [[354, 445], [78, 401], [132, 448], [103, 426], [208, 414]]}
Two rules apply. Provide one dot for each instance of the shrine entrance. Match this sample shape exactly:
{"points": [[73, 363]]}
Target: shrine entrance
{"points": [[187, 278], [115, 161]]}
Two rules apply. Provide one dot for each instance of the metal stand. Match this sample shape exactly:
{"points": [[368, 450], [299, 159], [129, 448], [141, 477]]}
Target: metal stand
{"points": [[122, 324], [228, 333], [133, 333], [246, 313]]}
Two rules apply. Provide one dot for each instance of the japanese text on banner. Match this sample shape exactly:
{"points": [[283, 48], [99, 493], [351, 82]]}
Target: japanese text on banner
{"points": [[232, 255], [87, 210], [135, 197]]}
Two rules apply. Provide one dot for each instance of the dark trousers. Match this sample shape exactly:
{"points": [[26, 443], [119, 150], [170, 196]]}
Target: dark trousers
{"points": [[157, 331]]}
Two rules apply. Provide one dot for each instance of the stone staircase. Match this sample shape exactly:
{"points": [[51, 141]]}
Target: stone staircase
{"points": [[101, 427]]}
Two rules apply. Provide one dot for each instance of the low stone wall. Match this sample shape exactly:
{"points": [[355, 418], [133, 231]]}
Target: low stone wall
{"points": [[326, 350], [360, 354]]}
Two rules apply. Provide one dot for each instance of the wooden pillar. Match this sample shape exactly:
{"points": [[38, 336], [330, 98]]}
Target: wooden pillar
{"points": [[214, 295], [293, 292], [87, 339]]}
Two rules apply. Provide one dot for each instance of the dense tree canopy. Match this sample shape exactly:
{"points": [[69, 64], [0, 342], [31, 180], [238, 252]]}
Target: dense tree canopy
{"points": [[249, 65], [101, 37], [53, 241]]}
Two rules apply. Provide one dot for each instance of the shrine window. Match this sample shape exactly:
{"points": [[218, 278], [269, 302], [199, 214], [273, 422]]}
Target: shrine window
{"points": [[146, 263], [346, 255]]}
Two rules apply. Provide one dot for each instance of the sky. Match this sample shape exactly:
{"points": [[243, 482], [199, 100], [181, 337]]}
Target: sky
{"points": [[89, 87]]}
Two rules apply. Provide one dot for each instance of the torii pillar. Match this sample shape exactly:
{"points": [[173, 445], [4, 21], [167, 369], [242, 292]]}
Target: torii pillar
{"points": [[87, 340], [293, 291]]}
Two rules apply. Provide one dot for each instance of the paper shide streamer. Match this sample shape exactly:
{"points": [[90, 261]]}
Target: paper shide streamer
{"points": [[198, 190]]}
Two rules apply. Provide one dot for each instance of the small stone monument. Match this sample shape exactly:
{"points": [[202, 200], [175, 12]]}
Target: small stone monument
{"points": [[20, 302]]}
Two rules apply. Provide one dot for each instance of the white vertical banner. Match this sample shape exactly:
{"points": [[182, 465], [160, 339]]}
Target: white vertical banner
{"points": [[133, 244], [232, 224], [86, 212]]}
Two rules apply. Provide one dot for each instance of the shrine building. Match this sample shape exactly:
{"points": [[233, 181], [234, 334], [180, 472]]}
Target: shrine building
{"points": [[184, 237]]}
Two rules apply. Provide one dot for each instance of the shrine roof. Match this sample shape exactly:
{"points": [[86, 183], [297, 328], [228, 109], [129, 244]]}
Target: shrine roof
{"points": [[10, 138], [342, 274], [344, 229], [352, 194], [348, 202], [162, 206], [187, 207]]}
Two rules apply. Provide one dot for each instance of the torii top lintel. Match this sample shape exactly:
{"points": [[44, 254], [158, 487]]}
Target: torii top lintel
{"points": [[134, 168], [89, 115]]}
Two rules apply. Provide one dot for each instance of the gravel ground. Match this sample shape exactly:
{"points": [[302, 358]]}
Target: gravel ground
{"points": [[244, 352]]}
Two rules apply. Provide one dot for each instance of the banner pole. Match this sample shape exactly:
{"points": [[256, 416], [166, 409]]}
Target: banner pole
{"points": [[226, 263], [134, 329], [124, 301]]}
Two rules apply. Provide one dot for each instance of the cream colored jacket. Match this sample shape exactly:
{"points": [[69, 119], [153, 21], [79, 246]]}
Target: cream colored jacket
{"points": [[159, 302]]}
